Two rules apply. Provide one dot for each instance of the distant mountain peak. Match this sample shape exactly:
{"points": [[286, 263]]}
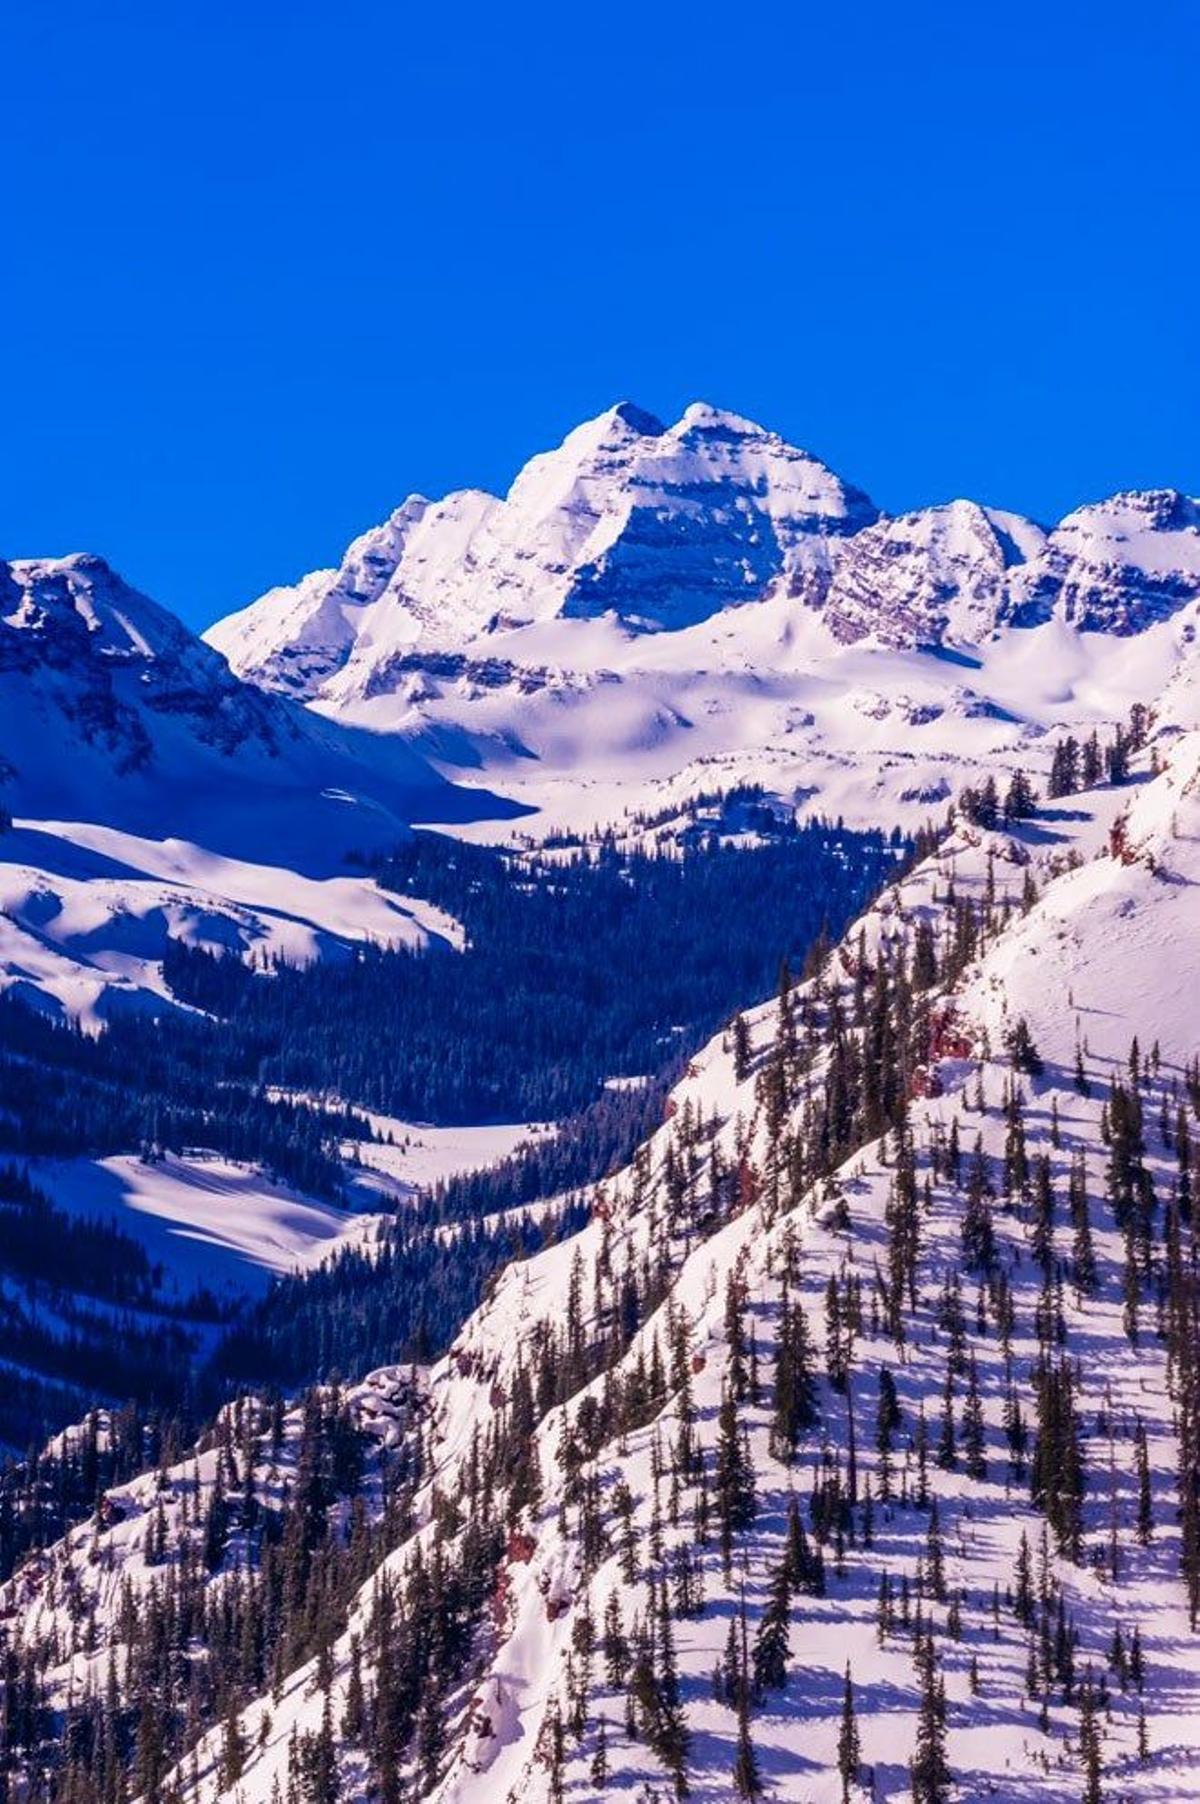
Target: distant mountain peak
{"points": [[660, 527]]}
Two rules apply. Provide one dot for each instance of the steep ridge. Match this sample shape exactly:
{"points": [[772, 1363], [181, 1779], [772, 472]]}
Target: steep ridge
{"points": [[661, 1493], [113, 710], [1119, 566], [939, 573]]}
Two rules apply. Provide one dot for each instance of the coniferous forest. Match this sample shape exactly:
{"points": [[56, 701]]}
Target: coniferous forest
{"points": [[577, 968]]}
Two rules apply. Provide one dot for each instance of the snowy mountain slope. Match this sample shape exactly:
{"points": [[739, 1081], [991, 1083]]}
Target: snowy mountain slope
{"points": [[110, 709], [1118, 566], [506, 639], [384, 1406], [205, 1221], [871, 732], [86, 913], [651, 1350], [157, 795]]}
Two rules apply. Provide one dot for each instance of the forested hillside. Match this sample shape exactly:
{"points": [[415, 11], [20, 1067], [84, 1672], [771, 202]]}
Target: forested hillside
{"points": [[849, 1450], [577, 970]]}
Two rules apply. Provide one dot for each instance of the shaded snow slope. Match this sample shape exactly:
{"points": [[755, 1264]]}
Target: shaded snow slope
{"points": [[111, 710], [86, 913], [208, 1222], [587, 725]]}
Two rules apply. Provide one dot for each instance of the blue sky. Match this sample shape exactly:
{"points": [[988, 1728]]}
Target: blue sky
{"points": [[270, 267]]}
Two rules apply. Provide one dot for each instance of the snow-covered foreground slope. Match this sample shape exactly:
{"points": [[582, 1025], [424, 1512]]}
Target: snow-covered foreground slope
{"points": [[617, 1422]]}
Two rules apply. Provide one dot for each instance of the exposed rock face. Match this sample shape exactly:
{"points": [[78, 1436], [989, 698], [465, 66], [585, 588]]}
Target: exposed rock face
{"points": [[937, 576], [1118, 566]]}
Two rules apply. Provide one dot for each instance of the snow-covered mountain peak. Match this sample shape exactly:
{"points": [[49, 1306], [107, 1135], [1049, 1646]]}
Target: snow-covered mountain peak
{"points": [[80, 601], [111, 711], [660, 527], [1116, 566], [930, 577], [649, 598], [623, 416]]}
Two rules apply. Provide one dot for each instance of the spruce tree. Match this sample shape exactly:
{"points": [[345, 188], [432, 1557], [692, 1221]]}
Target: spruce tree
{"points": [[929, 1770], [770, 1658], [849, 1752]]}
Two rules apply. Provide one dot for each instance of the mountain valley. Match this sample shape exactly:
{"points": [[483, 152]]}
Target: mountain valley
{"points": [[598, 1140]]}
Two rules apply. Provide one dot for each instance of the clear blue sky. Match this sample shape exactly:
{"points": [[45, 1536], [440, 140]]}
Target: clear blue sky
{"points": [[269, 266]]}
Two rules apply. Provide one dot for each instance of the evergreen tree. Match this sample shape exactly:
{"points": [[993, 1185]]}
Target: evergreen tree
{"points": [[849, 1751], [735, 1498], [747, 1777], [1090, 1744], [770, 1658], [930, 1773]]}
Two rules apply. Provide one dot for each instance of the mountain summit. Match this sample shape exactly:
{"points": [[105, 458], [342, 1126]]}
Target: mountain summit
{"points": [[661, 527]]}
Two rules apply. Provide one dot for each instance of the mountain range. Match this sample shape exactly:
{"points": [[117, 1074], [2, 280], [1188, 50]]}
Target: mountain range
{"points": [[652, 613], [653, 609]]}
